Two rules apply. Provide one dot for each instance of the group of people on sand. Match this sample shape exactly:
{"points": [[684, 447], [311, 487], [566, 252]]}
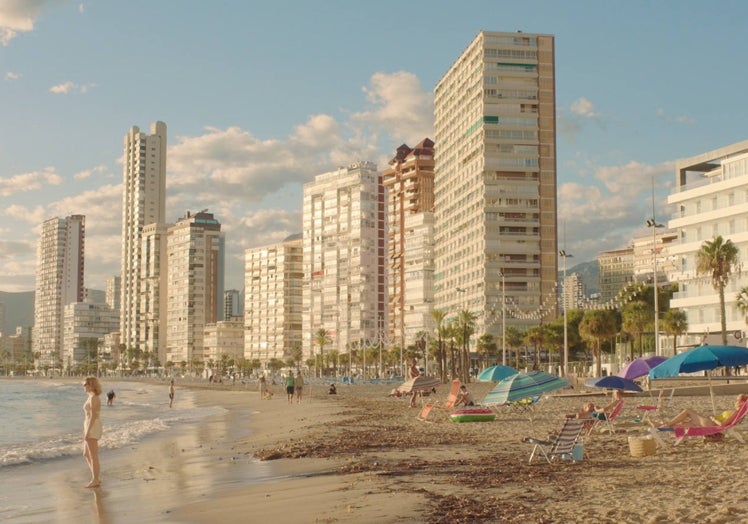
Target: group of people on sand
{"points": [[686, 418], [294, 387]]}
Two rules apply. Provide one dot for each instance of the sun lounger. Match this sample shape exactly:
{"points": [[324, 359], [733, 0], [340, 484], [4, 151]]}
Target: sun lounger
{"points": [[449, 403], [562, 445], [727, 428]]}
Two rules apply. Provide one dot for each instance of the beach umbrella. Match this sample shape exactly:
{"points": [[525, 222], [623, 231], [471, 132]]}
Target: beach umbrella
{"points": [[701, 358], [613, 382], [496, 373], [419, 384], [522, 386], [640, 367]]}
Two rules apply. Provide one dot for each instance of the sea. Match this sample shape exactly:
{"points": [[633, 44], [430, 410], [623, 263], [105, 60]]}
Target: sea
{"points": [[41, 420]]}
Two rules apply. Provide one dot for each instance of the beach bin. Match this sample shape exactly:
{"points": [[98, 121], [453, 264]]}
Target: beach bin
{"points": [[577, 452], [642, 446]]}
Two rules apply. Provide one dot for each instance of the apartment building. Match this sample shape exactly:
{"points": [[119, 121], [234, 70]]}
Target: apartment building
{"points": [[195, 282], [273, 300], [85, 325], [59, 282], [409, 181], [495, 181], [711, 199], [616, 271], [223, 342], [652, 252], [143, 203], [344, 249], [153, 290]]}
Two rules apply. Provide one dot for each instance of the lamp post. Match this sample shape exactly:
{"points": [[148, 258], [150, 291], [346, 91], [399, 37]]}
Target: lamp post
{"points": [[464, 328], [503, 319], [565, 255], [654, 225]]}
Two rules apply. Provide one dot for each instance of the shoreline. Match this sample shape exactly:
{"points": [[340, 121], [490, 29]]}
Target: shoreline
{"points": [[362, 457]]}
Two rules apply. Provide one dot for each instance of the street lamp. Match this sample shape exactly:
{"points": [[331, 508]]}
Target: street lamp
{"points": [[503, 319], [565, 255], [654, 225]]}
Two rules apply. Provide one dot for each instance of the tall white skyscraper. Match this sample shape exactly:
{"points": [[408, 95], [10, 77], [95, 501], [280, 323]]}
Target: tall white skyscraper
{"points": [[495, 181], [195, 284], [345, 249], [59, 282], [143, 203]]}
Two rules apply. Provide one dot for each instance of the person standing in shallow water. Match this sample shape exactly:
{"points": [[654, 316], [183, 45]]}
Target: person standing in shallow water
{"points": [[92, 428], [171, 392]]}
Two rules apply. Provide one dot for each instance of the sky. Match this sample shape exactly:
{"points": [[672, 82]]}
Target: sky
{"points": [[259, 97]]}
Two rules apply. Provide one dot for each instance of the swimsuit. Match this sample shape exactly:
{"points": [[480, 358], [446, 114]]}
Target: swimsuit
{"points": [[96, 429]]}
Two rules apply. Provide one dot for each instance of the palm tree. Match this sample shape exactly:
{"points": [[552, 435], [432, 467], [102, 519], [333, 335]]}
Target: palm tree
{"points": [[514, 338], [320, 338], [596, 326], [718, 258], [535, 335], [466, 323], [637, 315], [675, 323], [742, 302], [439, 315]]}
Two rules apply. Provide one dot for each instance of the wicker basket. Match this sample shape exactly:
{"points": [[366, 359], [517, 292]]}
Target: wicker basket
{"points": [[642, 446]]}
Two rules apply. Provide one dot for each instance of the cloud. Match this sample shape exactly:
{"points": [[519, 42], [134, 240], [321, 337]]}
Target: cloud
{"points": [[19, 16], [601, 213], [29, 181], [680, 119], [398, 107], [584, 108], [87, 173], [10, 75], [69, 87]]}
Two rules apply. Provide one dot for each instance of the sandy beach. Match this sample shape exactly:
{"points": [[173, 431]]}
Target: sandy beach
{"points": [[360, 456]]}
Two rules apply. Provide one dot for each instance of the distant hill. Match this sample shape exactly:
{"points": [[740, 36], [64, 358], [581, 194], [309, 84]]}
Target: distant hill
{"points": [[19, 310], [589, 272]]}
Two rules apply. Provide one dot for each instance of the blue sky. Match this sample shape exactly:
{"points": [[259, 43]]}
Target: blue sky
{"points": [[260, 97]]}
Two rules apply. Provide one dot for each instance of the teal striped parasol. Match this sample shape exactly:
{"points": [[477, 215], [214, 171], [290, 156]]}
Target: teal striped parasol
{"points": [[522, 386]]}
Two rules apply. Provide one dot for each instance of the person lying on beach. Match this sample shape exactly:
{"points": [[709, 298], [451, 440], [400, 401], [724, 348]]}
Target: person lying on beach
{"points": [[689, 418], [464, 398], [590, 410]]}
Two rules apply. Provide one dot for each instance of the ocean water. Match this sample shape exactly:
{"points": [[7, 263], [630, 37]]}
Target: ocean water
{"points": [[42, 419]]}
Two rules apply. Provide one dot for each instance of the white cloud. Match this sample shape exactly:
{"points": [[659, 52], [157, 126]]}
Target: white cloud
{"points": [[70, 87], [399, 107], [584, 108], [19, 16], [87, 173], [679, 119], [10, 75], [601, 213], [29, 181]]}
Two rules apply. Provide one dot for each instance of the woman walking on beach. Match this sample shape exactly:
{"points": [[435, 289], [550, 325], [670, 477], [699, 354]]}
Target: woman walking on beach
{"points": [[92, 428], [290, 382], [298, 386]]}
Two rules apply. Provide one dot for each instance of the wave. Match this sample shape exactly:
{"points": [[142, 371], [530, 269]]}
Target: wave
{"points": [[116, 435]]}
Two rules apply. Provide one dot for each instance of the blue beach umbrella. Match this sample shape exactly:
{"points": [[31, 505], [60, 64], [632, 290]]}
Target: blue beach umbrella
{"points": [[613, 382], [522, 386], [702, 358], [496, 373]]}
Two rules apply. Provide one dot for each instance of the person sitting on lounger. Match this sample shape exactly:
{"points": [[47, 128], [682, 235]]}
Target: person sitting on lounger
{"points": [[464, 398], [689, 418], [590, 410]]}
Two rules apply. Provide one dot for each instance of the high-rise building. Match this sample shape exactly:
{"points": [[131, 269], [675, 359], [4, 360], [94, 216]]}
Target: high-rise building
{"points": [[344, 245], [59, 282], [153, 285], [85, 325], [409, 181], [233, 304], [645, 253], [223, 340], [113, 293], [195, 280], [143, 203], [711, 199], [616, 271], [273, 277], [495, 181]]}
